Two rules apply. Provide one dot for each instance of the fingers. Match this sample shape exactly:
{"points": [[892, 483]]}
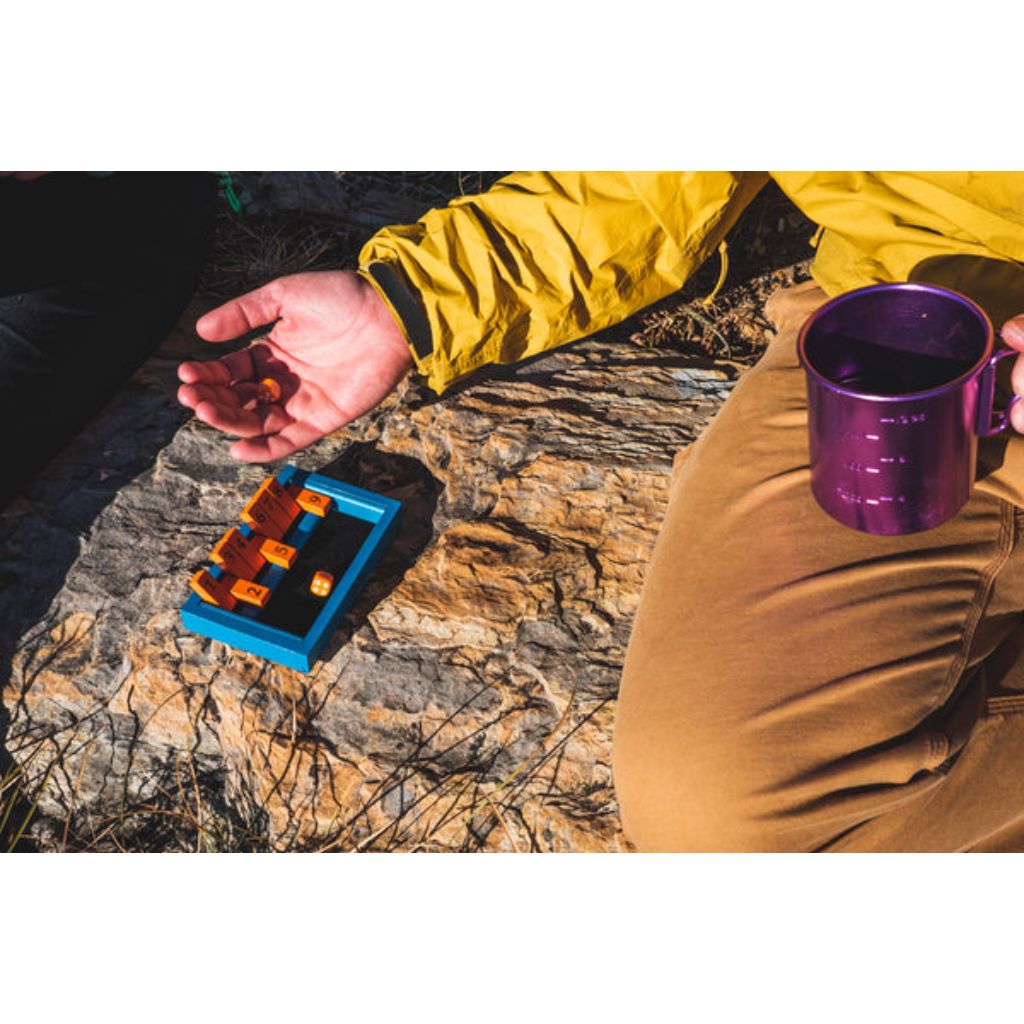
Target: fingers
{"points": [[238, 366], [212, 373], [276, 445], [224, 393], [1017, 376], [1013, 334], [238, 395], [1017, 417], [233, 419], [241, 315]]}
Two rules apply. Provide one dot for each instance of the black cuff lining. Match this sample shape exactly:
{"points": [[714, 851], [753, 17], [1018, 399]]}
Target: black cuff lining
{"points": [[413, 318]]}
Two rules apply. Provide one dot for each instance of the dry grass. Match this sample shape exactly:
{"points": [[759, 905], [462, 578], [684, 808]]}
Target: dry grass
{"points": [[260, 244], [187, 809], [732, 328]]}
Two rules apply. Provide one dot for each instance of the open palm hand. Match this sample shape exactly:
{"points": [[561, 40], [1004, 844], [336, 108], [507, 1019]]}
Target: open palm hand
{"points": [[334, 350]]}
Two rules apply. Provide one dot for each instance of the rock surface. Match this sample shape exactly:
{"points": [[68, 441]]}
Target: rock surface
{"points": [[466, 703]]}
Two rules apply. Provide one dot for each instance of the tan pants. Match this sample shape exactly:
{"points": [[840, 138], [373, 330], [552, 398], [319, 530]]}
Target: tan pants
{"points": [[792, 684]]}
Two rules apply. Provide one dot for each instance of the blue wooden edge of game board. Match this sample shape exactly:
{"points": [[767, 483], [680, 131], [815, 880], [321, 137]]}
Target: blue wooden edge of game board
{"points": [[238, 628]]}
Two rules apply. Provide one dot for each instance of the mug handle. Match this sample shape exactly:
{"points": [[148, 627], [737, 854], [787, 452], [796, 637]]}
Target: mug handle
{"points": [[986, 398]]}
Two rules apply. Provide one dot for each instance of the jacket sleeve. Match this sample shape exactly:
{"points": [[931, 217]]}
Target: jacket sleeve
{"points": [[545, 258]]}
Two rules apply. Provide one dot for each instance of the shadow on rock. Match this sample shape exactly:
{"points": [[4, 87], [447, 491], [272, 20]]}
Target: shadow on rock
{"points": [[547, 370], [406, 480], [41, 533]]}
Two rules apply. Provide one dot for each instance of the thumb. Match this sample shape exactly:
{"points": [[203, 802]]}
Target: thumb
{"points": [[1013, 332], [239, 316]]}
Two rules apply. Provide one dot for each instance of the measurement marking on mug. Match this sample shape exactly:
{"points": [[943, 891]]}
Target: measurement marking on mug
{"points": [[883, 499], [905, 419]]}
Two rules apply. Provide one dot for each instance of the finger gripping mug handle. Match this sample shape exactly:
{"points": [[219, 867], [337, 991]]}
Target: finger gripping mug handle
{"points": [[986, 398]]}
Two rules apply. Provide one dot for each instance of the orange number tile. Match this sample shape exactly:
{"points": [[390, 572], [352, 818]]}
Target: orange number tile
{"points": [[237, 554], [262, 514], [277, 553], [313, 501], [283, 501], [251, 593], [213, 591]]}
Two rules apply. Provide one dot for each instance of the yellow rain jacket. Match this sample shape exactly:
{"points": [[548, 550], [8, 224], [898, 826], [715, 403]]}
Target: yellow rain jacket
{"points": [[545, 258]]}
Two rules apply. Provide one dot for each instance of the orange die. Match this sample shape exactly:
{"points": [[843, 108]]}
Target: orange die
{"points": [[322, 584], [269, 391]]}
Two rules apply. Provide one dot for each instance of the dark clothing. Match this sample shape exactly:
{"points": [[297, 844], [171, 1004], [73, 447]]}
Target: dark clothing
{"points": [[94, 272]]}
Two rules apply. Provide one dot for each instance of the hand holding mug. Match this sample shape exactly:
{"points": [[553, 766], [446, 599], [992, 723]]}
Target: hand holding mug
{"points": [[1013, 334]]}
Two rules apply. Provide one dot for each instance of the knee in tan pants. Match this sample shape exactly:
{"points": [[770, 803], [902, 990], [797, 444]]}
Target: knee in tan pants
{"points": [[792, 684]]}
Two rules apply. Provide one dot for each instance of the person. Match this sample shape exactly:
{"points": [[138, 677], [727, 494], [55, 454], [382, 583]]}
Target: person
{"points": [[790, 684], [95, 270]]}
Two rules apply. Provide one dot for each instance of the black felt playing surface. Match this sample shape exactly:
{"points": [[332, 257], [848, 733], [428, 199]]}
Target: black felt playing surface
{"points": [[332, 547]]}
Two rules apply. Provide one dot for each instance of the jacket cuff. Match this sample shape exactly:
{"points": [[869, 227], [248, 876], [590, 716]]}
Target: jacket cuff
{"points": [[405, 306]]}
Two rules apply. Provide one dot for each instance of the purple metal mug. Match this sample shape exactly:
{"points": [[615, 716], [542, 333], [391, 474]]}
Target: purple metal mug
{"points": [[900, 386]]}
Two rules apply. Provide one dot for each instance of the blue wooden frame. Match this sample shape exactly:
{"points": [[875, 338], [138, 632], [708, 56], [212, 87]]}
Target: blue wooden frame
{"points": [[240, 629]]}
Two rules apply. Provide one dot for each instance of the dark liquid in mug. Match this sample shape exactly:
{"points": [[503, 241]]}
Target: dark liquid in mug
{"points": [[878, 370]]}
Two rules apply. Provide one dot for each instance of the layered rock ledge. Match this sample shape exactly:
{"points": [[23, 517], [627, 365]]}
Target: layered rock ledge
{"points": [[467, 701]]}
